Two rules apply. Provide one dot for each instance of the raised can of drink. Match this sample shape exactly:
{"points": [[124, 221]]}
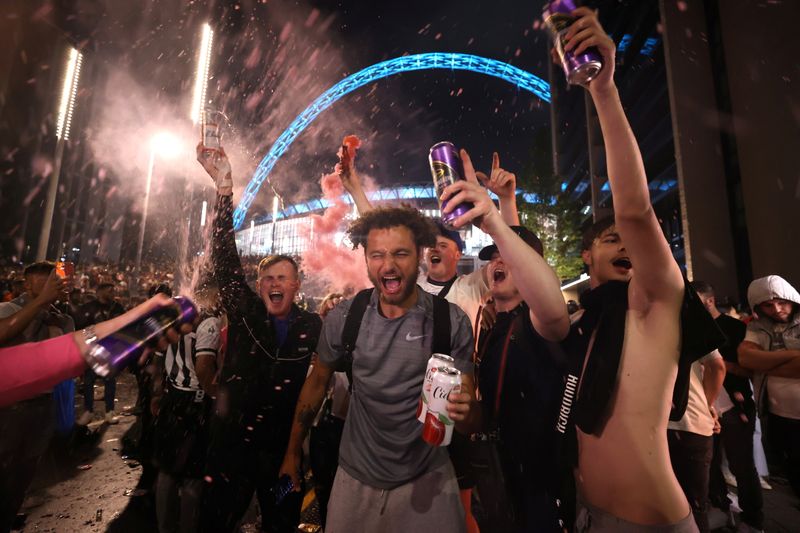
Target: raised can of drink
{"points": [[582, 68], [210, 129], [447, 168], [438, 428], [437, 360]]}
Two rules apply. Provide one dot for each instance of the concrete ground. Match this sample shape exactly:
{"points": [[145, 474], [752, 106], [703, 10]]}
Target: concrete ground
{"points": [[84, 485]]}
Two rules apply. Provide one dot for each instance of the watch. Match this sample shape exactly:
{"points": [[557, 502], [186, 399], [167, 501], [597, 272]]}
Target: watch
{"points": [[97, 357]]}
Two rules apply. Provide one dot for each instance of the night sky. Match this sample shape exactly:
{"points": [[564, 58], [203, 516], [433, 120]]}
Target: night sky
{"points": [[271, 59]]}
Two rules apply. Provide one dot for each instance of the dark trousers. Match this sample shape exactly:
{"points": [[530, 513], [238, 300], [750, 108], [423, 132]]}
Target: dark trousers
{"points": [[25, 432], [783, 440], [736, 438], [324, 458], [690, 455], [110, 390], [235, 474]]}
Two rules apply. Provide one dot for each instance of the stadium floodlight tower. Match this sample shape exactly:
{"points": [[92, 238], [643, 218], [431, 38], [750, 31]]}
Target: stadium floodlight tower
{"points": [[66, 107]]}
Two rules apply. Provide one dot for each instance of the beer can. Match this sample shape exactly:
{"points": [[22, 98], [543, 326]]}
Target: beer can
{"points": [[437, 360], [210, 129], [579, 69], [447, 168], [438, 428]]}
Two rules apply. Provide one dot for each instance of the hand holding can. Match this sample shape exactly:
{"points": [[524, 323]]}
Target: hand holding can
{"points": [[579, 68], [436, 361], [438, 428]]}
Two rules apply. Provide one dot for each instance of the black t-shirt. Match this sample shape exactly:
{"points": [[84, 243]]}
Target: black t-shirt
{"points": [[529, 401], [737, 387]]}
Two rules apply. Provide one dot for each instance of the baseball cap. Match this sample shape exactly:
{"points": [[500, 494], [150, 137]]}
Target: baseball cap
{"points": [[450, 234], [525, 234]]}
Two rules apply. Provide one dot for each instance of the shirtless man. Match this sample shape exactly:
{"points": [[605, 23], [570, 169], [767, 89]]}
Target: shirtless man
{"points": [[624, 468], [624, 477]]}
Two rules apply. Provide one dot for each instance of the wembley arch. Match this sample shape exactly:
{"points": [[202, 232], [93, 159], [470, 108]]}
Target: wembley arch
{"points": [[429, 61]]}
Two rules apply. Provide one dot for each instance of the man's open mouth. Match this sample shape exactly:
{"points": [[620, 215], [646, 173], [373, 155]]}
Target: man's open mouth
{"points": [[391, 284], [499, 275], [435, 259], [276, 297], [622, 262]]}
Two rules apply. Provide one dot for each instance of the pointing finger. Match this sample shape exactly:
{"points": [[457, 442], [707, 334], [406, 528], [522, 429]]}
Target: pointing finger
{"points": [[495, 161], [469, 170]]}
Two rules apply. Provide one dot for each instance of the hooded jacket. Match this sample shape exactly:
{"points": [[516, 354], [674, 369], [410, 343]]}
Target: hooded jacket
{"points": [[772, 336]]}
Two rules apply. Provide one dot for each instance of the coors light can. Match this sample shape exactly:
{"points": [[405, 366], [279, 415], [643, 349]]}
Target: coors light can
{"points": [[579, 69], [447, 168], [437, 360], [438, 428]]}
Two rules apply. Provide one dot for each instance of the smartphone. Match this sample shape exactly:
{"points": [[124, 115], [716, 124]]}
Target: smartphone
{"points": [[283, 487], [65, 269]]}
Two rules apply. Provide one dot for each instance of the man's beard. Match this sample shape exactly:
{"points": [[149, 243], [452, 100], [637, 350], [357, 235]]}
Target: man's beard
{"points": [[395, 299]]}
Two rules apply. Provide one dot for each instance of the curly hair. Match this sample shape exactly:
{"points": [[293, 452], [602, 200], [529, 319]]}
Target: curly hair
{"points": [[422, 228]]}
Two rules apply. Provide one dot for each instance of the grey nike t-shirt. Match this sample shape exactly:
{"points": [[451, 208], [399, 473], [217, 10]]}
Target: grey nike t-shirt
{"points": [[382, 442]]}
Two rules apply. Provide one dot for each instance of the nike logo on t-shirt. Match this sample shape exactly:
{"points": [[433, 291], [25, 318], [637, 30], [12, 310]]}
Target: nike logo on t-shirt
{"points": [[410, 337]]}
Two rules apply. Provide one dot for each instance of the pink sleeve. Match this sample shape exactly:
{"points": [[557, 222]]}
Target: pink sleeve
{"points": [[28, 369]]}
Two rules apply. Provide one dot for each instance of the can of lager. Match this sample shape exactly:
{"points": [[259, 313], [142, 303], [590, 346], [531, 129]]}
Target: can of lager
{"points": [[447, 168], [109, 355], [210, 126], [438, 428], [579, 69], [437, 360]]}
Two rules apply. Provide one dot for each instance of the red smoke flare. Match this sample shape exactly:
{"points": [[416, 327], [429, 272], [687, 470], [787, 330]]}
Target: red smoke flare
{"points": [[341, 267]]}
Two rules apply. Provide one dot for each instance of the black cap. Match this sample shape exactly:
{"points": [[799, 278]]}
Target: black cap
{"points": [[453, 235], [525, 234]]}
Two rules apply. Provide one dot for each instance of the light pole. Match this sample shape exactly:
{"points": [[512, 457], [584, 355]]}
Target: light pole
{"points": [[274, 221], [65, 108], [252, 235], [201, 76], [164, 145]]}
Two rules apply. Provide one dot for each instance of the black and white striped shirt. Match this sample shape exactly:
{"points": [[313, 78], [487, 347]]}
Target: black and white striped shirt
{"points": [[180, 358]]}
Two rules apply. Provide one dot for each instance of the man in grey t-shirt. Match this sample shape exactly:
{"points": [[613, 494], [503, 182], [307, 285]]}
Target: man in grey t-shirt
{"points": [[389, 478]]}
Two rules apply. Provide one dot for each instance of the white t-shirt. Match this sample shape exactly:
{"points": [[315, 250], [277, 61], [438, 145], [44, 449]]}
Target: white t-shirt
{"points": [[467, 292], [783, 393], [697, 418]]}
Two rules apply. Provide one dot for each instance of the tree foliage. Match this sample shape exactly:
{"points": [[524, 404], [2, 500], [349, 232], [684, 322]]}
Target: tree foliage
{"points": [[552, 214]]}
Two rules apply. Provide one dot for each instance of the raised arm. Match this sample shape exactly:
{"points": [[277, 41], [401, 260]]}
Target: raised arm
{"points": [[352, 184], [658, 276], [504, 184], [14, 324], [227, 264], [537, 283]]}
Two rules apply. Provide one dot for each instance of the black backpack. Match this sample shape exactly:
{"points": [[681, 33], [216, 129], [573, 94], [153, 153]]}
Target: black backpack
{"points": [[352, 325]]}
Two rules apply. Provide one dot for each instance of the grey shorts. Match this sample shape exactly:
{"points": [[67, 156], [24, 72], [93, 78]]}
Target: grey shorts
{"points": [[595, 520], [430, 503]]}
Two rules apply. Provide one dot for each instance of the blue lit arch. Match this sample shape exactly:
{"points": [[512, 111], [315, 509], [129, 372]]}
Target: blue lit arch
{"points": [[452, 61]]}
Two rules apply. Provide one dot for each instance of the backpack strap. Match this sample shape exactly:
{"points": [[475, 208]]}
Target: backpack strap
{"points": [[352, 325], [441, 326]]}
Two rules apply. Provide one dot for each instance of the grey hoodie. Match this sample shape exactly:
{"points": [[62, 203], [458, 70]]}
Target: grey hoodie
{"points": [[771, 336], [763, 289]]}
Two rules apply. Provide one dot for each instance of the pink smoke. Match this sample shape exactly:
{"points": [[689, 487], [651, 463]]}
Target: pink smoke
{"points": [[339, 266]]}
